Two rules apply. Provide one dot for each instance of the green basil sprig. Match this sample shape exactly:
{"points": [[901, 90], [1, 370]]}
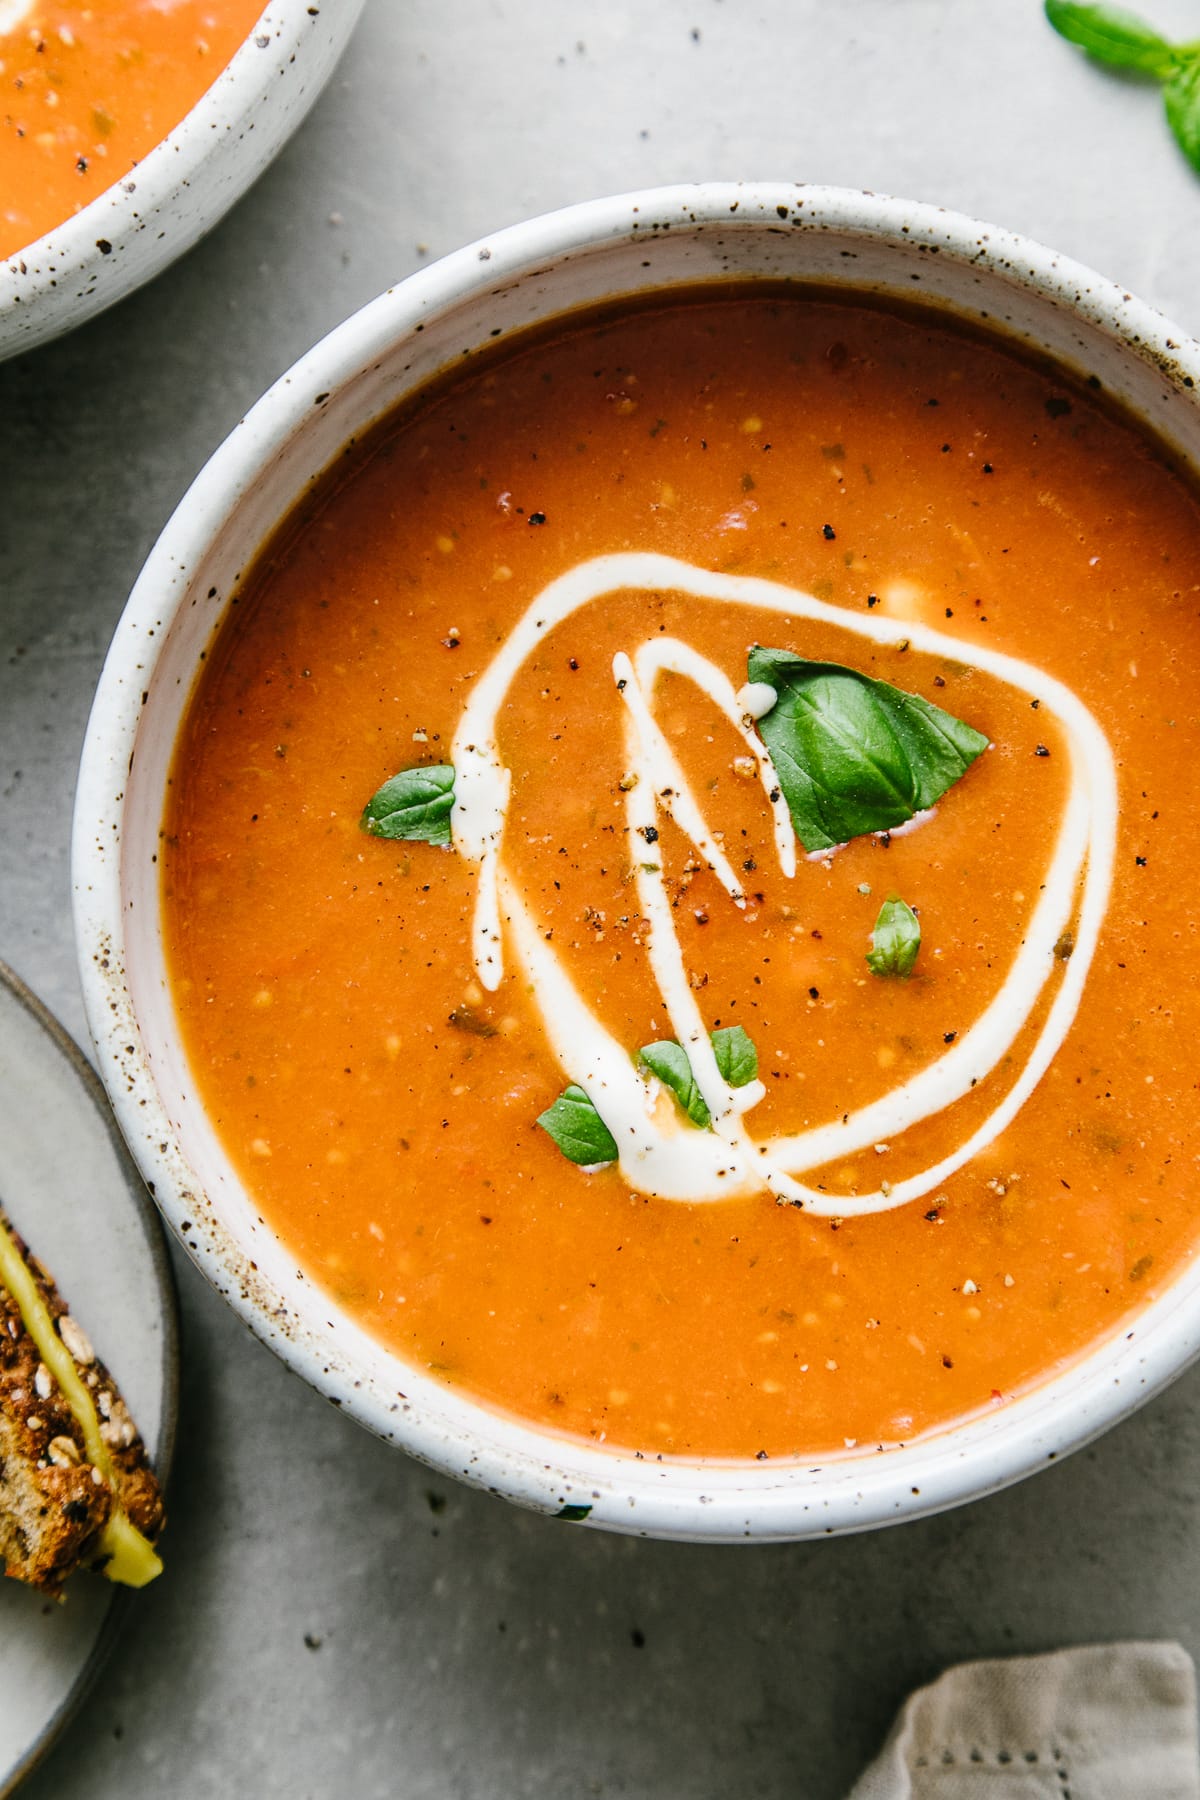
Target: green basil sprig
{"points": [[737, 1062], [855, 755], [577, 1128], [895, 940], [1112, 36], [1181, 96], [413, 804], [1121, 40]]}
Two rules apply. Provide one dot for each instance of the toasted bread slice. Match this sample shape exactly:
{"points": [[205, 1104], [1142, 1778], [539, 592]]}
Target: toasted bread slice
{"points": [[76, 1487]]}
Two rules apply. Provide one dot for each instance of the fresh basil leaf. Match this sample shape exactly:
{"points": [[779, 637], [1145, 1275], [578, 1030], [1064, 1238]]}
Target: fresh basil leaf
{"points": [[669, 1061], [737, 1062], [1112, 36], [737, 1059], [1181, 96], [896, 939], [855, 755], [577, 1128], [413, 804]]}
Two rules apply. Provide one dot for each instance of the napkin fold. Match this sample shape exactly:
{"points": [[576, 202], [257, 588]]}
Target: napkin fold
{"points": [[1104, 1722]]}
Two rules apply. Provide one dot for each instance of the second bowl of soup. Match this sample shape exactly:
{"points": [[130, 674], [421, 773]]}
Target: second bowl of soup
{"points": [[129, 128]]}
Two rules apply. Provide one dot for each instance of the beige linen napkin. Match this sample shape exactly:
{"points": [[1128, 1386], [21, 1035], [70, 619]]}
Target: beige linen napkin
{"points": [[1106, 1722]]}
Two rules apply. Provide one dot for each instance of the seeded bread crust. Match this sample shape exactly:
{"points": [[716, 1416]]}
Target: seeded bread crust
{"points": [[53, 1501]]}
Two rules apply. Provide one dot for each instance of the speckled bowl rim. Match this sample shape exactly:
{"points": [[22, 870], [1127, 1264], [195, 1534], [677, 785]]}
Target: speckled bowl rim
{"points": [[706, 1500], [305, 37]]}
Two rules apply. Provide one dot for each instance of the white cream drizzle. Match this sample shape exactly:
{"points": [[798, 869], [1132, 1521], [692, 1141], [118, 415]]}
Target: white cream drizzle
{"points": [[14, 13], [659, 1153]]}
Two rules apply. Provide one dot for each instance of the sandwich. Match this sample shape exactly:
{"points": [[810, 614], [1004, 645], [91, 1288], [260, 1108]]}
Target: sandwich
{"points": [[76, 1487]]}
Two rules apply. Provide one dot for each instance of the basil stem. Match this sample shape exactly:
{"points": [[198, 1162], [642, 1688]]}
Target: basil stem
{"points": [[415, 804], [895, 940], [1122, 41], [578, 1130], [854, 755]]}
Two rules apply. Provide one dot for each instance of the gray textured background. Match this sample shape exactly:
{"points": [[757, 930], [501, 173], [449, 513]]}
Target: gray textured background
{"points": [[334, 1619]]}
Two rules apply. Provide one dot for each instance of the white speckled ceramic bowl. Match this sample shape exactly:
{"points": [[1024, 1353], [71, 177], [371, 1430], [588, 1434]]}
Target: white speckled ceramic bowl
{"points": [[437, 318], [184, 185]]}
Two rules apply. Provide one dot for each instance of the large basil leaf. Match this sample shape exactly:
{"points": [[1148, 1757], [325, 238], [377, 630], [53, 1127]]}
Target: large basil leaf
{"points": [[414, 804], [855, 755]]}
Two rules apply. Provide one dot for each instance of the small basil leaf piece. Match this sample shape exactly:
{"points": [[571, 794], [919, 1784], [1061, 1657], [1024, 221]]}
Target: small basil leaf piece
{"points": [[1181, 96], [1112, 36], [669, 1061], [577, 1128], [855, 755], [896, 939], [737, 1059], [414, 804]]}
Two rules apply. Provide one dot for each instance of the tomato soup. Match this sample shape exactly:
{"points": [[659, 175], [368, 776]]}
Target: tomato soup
{"points": [[89, 88], [676, 876]]}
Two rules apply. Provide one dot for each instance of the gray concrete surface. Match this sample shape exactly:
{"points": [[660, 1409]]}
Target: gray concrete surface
{"points": [[335, 1620]]}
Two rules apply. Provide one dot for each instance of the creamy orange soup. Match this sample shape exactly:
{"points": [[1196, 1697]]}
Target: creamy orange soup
{"points": [[958, 1145], [89, 88]]}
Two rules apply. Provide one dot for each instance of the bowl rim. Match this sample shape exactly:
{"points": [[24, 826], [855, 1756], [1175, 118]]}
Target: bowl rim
{"points": [[34, 278], [691, 1498]]}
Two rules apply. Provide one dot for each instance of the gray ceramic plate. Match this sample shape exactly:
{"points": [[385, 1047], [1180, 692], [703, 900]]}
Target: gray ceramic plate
{"points": [[70, 1188]]}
